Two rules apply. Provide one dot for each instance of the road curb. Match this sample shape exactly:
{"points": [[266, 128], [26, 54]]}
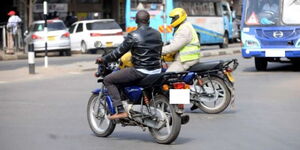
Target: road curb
{"points": [[206, 53]]}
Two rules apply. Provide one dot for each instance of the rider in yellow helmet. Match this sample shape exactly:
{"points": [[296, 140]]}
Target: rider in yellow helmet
{"points": [[185, 43]]}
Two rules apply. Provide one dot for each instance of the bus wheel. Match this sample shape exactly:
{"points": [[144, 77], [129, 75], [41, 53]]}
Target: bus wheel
{"points": [[261, 64], [225, 41]]}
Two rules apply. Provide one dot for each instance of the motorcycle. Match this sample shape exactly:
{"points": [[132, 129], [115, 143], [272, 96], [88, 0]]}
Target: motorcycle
{"points": [[146, 102], [212, 85]]}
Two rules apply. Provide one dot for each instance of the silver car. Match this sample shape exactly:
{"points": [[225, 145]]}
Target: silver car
{"points": [[58, 37]]}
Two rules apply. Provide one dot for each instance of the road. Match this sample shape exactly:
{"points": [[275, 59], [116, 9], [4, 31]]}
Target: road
{"points": [[51, 114]]}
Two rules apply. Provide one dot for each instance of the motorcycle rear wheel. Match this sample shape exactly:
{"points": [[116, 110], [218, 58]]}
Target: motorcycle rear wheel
{"points": [[97, 112], [171, 129], [219, 99]]}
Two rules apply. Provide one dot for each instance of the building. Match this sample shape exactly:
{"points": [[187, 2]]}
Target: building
{"points": [[30, 10]]}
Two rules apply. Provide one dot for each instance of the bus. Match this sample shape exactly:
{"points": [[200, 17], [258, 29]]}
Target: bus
{"points": [[270, 31], [158, 10], [212, 19]]}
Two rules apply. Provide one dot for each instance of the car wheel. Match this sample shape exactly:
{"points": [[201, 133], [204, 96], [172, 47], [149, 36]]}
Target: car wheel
{"points": [[83, 47], [68, 52]]}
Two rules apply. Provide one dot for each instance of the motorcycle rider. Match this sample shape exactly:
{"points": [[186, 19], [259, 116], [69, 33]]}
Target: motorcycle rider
{"points": [[145, 44], [185, 45]]}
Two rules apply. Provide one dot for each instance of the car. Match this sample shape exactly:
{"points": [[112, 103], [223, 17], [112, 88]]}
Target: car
{"points": [[96, 34], [58, 37]]}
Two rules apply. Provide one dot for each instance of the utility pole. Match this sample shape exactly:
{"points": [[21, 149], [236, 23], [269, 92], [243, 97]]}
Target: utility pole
{"points": [[46, 33], [165, 20]]}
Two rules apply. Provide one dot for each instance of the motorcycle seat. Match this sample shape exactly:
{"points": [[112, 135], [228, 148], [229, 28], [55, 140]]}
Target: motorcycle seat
{"points": [[205, 66]]}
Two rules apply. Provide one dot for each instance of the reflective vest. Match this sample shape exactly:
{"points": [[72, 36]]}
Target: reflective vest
{"points": [[190, 51]]}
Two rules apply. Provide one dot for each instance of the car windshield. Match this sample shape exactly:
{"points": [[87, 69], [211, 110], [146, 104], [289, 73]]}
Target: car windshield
{"points": [[52, 26], [102, 25], [291, 10], [263, 12]]}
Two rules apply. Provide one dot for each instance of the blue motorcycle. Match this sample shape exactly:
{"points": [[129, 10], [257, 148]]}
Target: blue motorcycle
{"points": [[146, 102]]}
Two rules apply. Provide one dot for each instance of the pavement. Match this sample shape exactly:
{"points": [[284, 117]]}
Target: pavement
{"points": [[22, 74]]}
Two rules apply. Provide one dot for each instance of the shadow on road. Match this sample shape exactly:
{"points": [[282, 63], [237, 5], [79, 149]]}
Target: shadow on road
{"points": [[143, 136], [276, 67]]}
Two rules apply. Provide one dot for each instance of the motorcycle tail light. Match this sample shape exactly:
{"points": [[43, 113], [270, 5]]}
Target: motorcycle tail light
{"points": [[180, 106], [229, 70], [179, 85]]}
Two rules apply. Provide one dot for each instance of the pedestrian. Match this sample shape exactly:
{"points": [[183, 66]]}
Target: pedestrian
{"points": [[12, 30], [145, 44]]}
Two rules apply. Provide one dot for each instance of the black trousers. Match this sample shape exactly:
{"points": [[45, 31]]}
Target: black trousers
{"points": [[122, 77]]}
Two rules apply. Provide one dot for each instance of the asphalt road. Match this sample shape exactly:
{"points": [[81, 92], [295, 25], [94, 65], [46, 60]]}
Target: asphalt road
{"points": [[51, 114]]}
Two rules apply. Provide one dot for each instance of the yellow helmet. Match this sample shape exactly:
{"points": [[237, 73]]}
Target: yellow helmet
{"points": [[178, 15], [125, 61]]}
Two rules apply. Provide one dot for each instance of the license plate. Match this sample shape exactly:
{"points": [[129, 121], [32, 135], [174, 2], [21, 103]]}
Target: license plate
{"points": [[275, 53], [229, 76], [179, 96], [51, 38], [109, 44]]}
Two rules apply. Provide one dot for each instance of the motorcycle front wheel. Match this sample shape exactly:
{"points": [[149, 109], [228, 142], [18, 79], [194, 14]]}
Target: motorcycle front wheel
{"points": [[169, 132], [97, 112], [213, 97]]}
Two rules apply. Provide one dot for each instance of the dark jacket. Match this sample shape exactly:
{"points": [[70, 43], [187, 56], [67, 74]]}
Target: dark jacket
{"points": [[145, 44]]}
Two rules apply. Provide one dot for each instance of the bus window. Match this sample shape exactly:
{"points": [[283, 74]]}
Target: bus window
{"points": [[291, 8], [146, 5], [262, 12], [196, 8]]}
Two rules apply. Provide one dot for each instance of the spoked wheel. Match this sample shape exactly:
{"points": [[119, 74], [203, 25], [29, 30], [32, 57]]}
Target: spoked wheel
{"points": [[172, 121], [213, 97], [97, 116]]}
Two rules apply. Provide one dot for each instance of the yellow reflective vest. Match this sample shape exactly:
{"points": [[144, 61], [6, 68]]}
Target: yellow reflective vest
{"points": [[192, 50]]}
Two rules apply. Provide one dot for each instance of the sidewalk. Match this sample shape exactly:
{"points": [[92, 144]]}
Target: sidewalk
{"points": [[15, 56], [22, 74]]}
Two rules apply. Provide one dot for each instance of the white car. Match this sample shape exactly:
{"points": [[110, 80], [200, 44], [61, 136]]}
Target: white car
{"points": [[95, 34], [58, 37]]}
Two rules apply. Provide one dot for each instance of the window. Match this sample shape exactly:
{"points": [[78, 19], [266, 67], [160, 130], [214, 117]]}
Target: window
{"points": [[72, 28], [146, 4], [196, 8], [79, 28], [291, 11], [54, 26], [103, 25]]}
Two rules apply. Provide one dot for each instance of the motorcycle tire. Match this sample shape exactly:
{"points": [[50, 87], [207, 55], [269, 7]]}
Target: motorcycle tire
{"points": [[222, 92], [173, 121], [97, 112]]}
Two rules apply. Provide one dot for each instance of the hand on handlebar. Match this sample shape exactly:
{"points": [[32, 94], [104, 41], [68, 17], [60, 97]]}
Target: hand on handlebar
{"points": [[99, 60]]}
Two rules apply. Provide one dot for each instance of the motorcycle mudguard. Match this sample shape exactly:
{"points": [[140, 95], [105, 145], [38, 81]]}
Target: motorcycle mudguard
{"points": [[96, 91], [108, 101], [110, 105]]}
